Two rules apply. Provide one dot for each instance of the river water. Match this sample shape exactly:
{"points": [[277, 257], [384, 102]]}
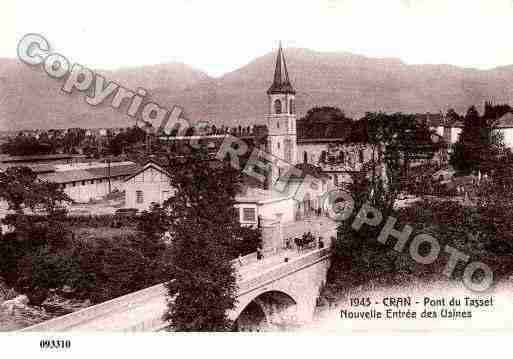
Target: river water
{"points": [[22, 317]]}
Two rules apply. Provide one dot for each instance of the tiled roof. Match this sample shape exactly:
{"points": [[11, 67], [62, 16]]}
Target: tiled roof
{"points": [[307, 169], [150, 163], [505, 121], [87, 174], [432, 119]]}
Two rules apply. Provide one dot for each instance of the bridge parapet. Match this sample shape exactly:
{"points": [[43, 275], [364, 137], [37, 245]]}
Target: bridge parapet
{"points": [[282, 270], [144, 309]]}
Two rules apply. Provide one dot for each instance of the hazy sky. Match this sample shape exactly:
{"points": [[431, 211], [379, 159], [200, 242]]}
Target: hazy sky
{"points": [[219, 36]]}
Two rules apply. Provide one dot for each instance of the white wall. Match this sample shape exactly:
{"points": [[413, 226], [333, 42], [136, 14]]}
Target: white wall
{"points": [[455, 134], [270, 209], [313, 151], [152, 183], [508, 137], [92, 189]]}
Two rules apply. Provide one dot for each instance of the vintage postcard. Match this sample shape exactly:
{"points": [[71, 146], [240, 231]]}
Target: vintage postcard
{"points": [[327, 167]]}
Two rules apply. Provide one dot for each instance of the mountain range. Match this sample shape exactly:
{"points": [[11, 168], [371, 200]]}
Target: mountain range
{"points": [[29, 98]]}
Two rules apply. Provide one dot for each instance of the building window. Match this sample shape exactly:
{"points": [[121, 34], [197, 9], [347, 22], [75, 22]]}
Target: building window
{"points": [[249, 215], [291, 106], [92, 181], [324, 156], [277, 106], [343, 158], [278, 144], [73, 184], [277, 124], [305, 157], [83, 183], [139, 196], [237, 213]]}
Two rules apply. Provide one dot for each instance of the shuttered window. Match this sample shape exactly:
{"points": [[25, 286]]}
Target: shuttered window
{"points": [[249, 215], [139, 196]]}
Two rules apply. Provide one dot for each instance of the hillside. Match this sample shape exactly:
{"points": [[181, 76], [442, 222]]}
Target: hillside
{"points": [[30, 99]]}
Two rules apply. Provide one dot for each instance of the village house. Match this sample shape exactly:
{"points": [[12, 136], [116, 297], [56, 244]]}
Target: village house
{"points": [[505, 126], [150, 184]]}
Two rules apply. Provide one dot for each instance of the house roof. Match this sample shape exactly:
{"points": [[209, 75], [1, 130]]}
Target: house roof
{"points": [[306, 169], [149, 164], [431, 119], [505, 121], [86, 174], [260, 196], [457, 123]]}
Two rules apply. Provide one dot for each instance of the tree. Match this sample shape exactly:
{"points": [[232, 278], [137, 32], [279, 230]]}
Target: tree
{"points": [[322, 122], [20, 188], [50, 197], [16, 187], [203, 229], [478, 144], [395, 141], [124, 140], [152, 225], [25, 145]]}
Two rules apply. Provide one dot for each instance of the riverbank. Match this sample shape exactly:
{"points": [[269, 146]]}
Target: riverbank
{"points": [[16, 313]]}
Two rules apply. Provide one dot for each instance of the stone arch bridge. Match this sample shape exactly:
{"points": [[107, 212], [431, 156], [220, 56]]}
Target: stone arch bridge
{"points": [[272, 292]]}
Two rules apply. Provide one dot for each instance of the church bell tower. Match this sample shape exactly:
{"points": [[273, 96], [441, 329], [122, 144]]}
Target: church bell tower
{"points": [[281, 118]]}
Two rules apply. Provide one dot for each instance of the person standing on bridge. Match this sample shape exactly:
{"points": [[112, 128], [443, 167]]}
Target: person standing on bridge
{"points": [[259, 254]]}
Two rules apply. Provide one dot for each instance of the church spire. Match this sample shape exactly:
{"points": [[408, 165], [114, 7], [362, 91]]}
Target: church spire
{"points": [[281, 83]]}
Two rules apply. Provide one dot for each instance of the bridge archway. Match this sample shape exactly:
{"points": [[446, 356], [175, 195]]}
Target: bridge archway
{"points": [[268, 311]]}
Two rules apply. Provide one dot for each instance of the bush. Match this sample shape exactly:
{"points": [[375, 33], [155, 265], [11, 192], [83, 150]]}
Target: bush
{"points": [[40, 257], [484, 233], [102, 220]]}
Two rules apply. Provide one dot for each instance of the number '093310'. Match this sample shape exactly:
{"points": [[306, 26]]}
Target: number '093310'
{"points": [[54, 344]]}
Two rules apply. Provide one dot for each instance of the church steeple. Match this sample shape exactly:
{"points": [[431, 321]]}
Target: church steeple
{"points": [[281, 83], [281, 118]]}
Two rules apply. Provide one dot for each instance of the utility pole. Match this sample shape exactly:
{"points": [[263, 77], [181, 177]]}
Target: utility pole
{"points": [[148, 144], [108, 173]]}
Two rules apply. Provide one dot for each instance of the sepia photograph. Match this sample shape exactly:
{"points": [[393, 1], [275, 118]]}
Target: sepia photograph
{"points": [[295, 171]]}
